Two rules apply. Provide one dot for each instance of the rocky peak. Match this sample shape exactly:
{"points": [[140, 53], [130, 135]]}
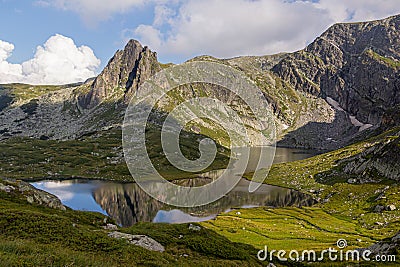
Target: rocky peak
{"points": [[125, 71], [356, 64], [353, 38]]}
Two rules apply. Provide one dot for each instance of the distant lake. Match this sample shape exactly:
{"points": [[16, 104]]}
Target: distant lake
{"points": [[128, 204]]}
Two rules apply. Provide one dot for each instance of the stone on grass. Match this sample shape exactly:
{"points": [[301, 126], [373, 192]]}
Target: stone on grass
{"points": [[139, 240], [352, 181], [194, 227], [6, 188], [110, 226], [391, 207], [384, 247], [379, 208]]}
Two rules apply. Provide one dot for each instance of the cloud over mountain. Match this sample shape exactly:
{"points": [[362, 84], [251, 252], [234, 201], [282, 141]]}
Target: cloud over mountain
{"points": [[58, 61], [228, 28]]}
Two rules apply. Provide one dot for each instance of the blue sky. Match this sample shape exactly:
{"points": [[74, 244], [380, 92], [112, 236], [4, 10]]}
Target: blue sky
{"points": [[27, 24], [176, 29]]}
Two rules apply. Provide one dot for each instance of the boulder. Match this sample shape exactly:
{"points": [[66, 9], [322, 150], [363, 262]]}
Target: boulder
{"points": [[379, 208], [385, 247], [139, 240], [194, 227], [391, 207], [110, 226], [6, 188]]}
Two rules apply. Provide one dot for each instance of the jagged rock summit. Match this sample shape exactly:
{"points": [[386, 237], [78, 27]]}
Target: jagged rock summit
{"points": [[125, 71]]}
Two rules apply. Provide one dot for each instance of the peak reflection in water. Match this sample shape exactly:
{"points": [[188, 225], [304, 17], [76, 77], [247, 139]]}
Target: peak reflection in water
{"points": [[128, 204]]}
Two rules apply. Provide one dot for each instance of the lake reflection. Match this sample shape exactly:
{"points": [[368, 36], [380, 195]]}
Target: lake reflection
{"points": [[127, 204]]}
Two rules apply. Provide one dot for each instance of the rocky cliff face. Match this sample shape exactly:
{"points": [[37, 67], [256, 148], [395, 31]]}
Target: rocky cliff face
{"points": [[391, 118], [125, 71], [355, 64]]}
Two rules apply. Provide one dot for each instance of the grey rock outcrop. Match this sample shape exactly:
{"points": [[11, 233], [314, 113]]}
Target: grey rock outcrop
{"points": [[385, 247], [6, 188], [376, 163], [110, 226], [139, 240], [193, 227], [31, 194], [78, 109]]}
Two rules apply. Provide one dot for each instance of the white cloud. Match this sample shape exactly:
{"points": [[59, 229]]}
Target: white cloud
{"points": [[58, 61], [228, 28], [62, 189], [8, 72], [162, 14], [359, 10], [149, 34]]}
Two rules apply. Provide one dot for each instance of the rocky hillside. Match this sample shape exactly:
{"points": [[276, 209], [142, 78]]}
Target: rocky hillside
{"points": [[376, 163], [335, 90], [32, 195], [354, 66]]}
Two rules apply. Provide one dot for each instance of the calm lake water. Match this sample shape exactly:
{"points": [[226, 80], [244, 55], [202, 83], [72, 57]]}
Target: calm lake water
{"points": [[128, 204]]}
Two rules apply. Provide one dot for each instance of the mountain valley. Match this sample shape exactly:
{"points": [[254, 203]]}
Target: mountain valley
{"points": [[340, 95]]}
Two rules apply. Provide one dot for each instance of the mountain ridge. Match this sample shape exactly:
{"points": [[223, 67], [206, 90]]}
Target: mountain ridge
{"points": [[313, 93]]}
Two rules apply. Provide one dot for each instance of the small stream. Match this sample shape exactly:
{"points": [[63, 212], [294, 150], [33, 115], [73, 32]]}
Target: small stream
{"points": [[127, 204]]}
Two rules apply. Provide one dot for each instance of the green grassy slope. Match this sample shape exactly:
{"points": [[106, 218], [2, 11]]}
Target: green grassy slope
{"points": [[97, 156], [24, 92], [345, 210], [32, 235]]}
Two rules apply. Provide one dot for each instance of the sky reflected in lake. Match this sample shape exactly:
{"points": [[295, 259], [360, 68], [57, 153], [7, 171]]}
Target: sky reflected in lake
{"points": [[76, 194]]}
